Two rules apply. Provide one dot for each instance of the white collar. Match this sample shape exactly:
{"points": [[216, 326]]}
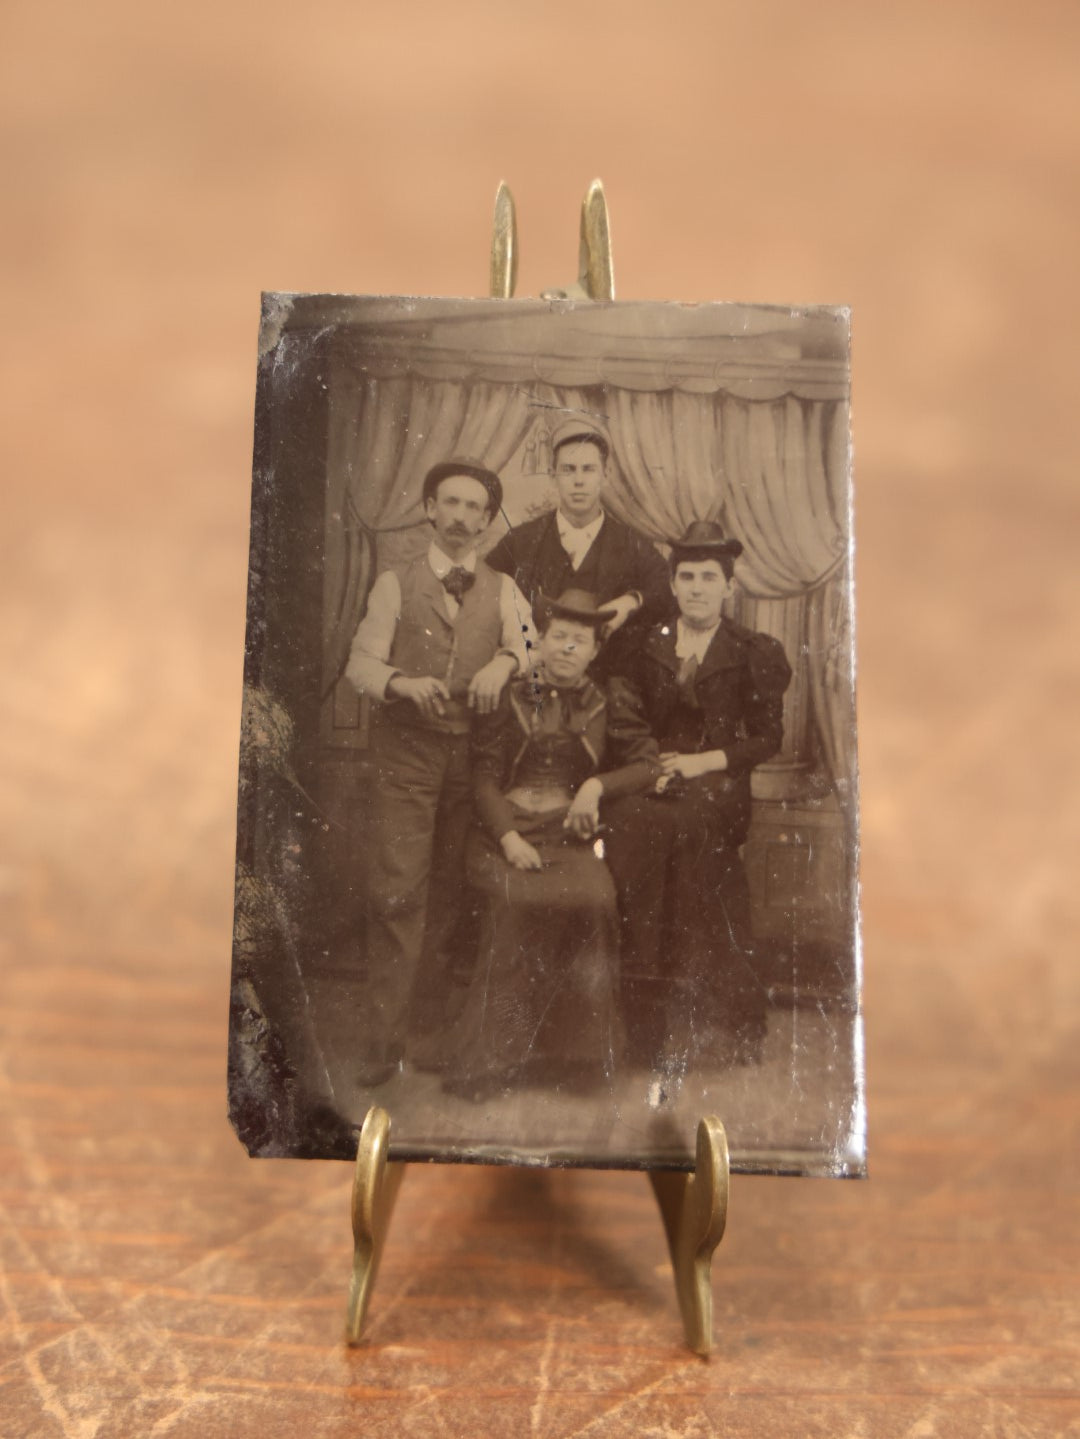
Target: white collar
{"points": [[580, 536], [690, 642], [442, 564]]}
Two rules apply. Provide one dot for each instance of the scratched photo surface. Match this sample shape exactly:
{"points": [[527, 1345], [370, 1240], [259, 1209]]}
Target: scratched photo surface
{"points": [[548, 829]]}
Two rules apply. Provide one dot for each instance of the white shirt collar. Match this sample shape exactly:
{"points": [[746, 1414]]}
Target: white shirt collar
{"points": [[693, 642], [576, 541], [442, 564]]}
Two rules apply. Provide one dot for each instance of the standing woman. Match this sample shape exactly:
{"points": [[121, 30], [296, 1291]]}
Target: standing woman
{"points": [[712, 692], [557, 747]]}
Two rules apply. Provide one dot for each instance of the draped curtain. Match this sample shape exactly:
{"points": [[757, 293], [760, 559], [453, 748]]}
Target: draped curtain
{"points": [[383, 440], [829, 654], [772, 471]]}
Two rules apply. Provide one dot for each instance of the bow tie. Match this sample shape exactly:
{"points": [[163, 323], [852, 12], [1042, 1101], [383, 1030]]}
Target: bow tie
{"points": [[456, 581], [554, 707]]}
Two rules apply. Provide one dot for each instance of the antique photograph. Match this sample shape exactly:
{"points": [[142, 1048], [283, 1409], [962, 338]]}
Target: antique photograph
{"points": [[548, 802]]}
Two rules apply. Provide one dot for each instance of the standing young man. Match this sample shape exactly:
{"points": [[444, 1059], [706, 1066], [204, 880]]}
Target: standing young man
{"points": [[438, 643], [713, 694], [579, 544]]}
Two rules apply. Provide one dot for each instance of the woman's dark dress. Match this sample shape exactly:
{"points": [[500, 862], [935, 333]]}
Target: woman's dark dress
{"points": [[691, 991], [545, 987]]}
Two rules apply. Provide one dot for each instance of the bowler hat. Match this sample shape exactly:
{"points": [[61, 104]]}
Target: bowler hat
{"points": [[572, 604], [581, 430], [473, 469], [708, 537]]}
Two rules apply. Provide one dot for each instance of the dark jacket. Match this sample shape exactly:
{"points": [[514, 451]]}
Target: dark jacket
{"points": [[618, 560], [616, 744], [740, 688]]}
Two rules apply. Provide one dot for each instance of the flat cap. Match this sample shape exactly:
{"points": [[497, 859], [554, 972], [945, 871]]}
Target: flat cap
{"points": [[578, 429]]}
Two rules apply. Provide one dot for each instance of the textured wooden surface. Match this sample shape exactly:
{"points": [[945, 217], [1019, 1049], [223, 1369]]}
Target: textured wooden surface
{"points": [[161, 165]]}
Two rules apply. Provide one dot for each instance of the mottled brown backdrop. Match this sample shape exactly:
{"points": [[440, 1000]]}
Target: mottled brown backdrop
{"points": [[164, 164]]}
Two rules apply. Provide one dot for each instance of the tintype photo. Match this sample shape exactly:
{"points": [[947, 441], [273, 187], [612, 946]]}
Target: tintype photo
{"points": [[548, 827]]}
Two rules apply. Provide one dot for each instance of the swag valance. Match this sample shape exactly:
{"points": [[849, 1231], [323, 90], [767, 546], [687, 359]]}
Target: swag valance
{"points": [[754, 352], [764, 379]]}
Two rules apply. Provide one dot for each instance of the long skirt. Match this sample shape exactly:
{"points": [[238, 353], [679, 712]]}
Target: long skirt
{"points": [[689, 985], [543, 1005]]}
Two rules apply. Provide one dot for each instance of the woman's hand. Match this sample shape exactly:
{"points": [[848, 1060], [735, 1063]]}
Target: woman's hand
{"points": [[519, 852], [583, 816], [692, 766]]}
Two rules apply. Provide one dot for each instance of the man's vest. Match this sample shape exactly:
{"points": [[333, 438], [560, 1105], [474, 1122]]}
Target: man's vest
{"points": [[427, 642]]}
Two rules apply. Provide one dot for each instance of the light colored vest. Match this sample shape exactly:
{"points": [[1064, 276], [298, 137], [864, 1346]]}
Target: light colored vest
{"points": [[427, 643]]}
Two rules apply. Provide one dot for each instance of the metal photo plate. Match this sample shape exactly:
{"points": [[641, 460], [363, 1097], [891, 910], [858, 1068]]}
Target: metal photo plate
{"points": [[548, 825]]}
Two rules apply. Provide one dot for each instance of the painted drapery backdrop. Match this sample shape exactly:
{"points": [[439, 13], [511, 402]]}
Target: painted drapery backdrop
{"points": [[744, 426]]}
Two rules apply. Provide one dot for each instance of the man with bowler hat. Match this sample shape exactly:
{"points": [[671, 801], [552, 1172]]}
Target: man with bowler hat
{"points": [[439, 640], [579, 544], [712, 692]]}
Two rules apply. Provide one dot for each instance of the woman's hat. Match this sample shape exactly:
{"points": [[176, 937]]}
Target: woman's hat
{"points": [[706, 535], [473, 470], [577, 605]]}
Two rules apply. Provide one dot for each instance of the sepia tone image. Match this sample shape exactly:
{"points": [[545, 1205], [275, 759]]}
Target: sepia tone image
{"points": [[548, 828]]}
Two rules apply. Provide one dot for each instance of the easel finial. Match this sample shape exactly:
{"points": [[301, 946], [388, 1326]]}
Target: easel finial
{"points": [[504, 247], [596, 275]]}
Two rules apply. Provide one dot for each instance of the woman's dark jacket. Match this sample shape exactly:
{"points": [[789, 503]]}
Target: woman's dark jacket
{"points": [[739, 691], [615, 742]]}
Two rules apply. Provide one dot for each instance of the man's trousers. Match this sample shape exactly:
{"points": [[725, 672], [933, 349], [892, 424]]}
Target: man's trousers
{"points": [[421, 807]]}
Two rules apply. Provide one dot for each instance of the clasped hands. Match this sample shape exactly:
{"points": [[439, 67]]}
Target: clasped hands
{"points": [[582, 819], [689, 766]]}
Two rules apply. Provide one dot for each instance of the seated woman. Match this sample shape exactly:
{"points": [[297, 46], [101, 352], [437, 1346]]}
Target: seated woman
{"points": [[557, 745], [712, 692]]}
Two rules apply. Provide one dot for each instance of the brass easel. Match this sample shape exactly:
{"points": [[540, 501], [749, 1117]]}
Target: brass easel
{"points": [[693, 1206]]}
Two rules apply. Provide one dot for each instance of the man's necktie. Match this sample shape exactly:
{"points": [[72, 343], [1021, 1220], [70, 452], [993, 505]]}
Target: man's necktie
{"points": [[685, 680], [456, 581]]}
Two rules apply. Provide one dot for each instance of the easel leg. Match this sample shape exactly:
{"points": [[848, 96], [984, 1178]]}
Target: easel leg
{"points": [[375, 1187], [694, 1210]]}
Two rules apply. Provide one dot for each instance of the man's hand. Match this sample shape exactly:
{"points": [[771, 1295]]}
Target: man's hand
{"points": [[488, 683], [624, 607], [519, 852], [691, 766], [583, 816], [426, 693]]}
